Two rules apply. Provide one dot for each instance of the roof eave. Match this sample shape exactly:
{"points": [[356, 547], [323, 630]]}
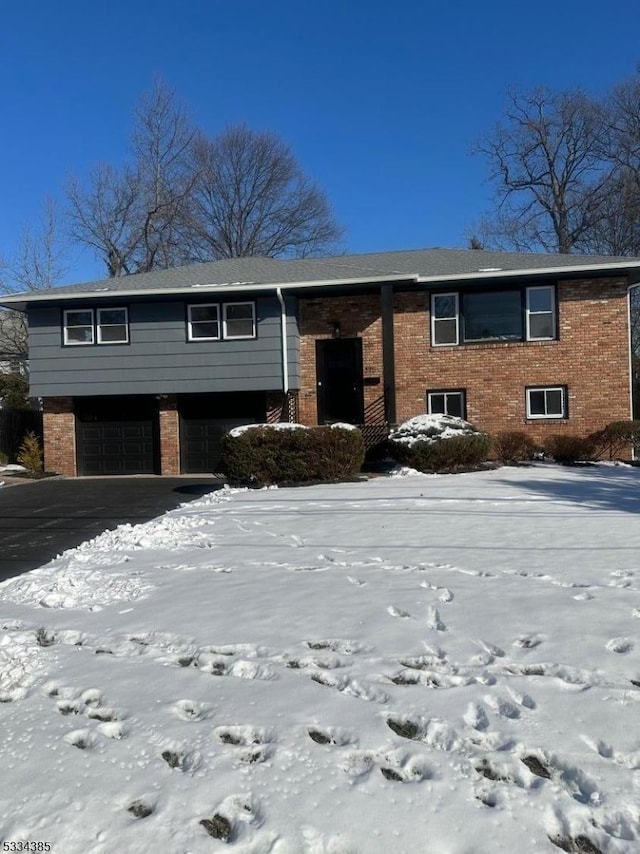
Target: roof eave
{"points": [[19, 302], [615, 266]]}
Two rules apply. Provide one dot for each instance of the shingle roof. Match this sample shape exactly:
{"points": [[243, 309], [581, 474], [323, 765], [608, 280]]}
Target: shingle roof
{"points": [[415, 264]]}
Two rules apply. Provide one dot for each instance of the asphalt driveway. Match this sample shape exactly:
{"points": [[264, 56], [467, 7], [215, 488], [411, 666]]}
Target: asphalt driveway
{"points": [[38, 520]]}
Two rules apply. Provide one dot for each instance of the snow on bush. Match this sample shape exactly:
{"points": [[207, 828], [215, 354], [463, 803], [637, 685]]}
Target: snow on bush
{"points": [[279, 425], [430, 428], [438, 443]]}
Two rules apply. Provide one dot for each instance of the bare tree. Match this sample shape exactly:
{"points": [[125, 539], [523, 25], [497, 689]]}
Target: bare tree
{"points": [[39, 263], [548, 161], [132, 216], [251, 197], [105, 216], [186, 197]]}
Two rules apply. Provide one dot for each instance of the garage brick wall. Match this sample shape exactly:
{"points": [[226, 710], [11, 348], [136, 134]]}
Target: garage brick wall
{"points": [[59, 429], [169, 435]]}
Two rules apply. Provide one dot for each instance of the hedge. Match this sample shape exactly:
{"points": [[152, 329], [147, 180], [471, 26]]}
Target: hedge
{"points": [[269, 454]]}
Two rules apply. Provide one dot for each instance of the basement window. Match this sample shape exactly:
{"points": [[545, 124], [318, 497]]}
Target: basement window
{"points": [[447, 402], [547, 402]]}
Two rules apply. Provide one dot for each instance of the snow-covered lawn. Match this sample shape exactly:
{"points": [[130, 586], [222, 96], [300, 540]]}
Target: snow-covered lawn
{"points": [[432, 665]]}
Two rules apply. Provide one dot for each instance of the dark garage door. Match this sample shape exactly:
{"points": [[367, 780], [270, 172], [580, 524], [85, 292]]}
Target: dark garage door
{"points": [[200, 441], [112, 447], [117, 435], [205, 418]]}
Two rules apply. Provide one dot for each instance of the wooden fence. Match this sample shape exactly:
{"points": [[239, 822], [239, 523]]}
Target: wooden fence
{"points": [[14, 425]]}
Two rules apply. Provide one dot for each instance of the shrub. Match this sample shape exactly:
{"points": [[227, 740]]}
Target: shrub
{"points": [[30, 453], [569, 449], [440, 443], [512, 447], [4, 459], [264, 454], [613, 441]]}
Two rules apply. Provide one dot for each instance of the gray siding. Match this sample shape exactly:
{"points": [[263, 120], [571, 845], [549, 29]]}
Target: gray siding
{"points": [[159, 359]]}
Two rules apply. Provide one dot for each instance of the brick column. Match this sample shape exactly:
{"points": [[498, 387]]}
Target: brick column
{"points": [[59, 429], [169, 435]]}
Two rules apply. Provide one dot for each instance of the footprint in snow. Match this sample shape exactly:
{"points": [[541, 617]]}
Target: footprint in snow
{"points": [[83, 739], [351, 687], [227, 821], [254, 744], [433, 620], [397, 767], [346, 647], [397, 612], [333, 736], [620, 645], [476, 716], [527, 641], [179, 757], [189, 710], [502, 707]]}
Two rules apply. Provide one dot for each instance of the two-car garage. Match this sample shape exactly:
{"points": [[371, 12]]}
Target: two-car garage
{"points": [[120, 435]]}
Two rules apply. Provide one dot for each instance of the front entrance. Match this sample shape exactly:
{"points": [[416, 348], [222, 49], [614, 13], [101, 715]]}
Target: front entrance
{"points": [[339, 380]]}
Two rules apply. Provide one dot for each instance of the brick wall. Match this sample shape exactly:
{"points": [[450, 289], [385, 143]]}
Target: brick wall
{"points": [[59, 430], [590, 357], [169, 435]]}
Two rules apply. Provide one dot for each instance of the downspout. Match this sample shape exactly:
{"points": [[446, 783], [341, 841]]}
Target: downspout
{"points": [[283, 335], [630, 287]]}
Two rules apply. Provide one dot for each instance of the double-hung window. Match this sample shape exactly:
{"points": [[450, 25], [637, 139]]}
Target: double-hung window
{"points": [[112, 325], [547, 401], [95, 326], [203, 322], [447, 402], [78, 327], [444, 319], [541, 314], [239, 320]]}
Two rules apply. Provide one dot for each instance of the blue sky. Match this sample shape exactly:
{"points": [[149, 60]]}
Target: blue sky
{"points": [[380, 101]]}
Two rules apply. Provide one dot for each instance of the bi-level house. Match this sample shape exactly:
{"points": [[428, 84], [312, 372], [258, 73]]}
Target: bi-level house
{"points": [[143, 374]]}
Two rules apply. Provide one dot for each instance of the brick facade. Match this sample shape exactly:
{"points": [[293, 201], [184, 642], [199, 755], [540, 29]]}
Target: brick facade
{"points": [[358, 316], [59, 429], [169, 435], [590, 357]]}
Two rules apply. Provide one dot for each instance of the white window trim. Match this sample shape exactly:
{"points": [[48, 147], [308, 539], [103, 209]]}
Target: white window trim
{"points": [[455, 317], [461, 393], [225, 333], [100, 325], [545, 416], [528, 313], [190, 322], [66, 327]]}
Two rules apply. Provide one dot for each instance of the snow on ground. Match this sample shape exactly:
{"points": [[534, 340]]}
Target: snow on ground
{"points": [[431, 665]]}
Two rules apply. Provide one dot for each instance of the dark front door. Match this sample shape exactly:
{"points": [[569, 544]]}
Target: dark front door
{"points": [[339, 378]]}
